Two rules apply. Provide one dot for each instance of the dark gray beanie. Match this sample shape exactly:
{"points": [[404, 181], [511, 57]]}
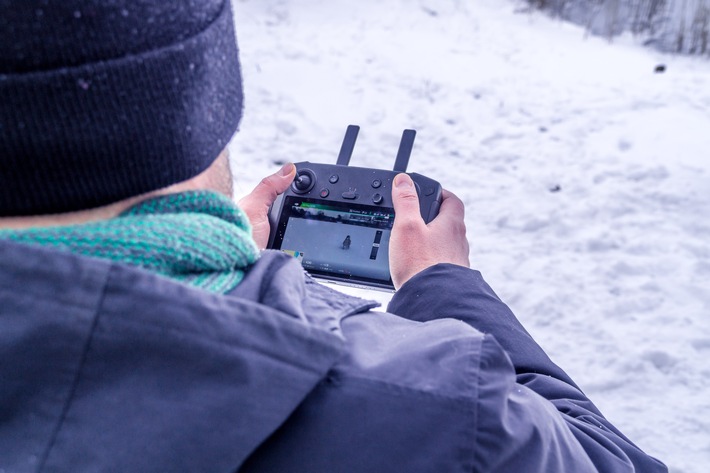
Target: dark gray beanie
{"points": [[101, 100]]}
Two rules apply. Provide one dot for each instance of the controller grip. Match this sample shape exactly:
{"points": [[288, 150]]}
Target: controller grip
{"points": [[433, 210]]}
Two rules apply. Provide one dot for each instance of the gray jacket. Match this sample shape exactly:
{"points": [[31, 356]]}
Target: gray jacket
{"points": [[106, 367]]}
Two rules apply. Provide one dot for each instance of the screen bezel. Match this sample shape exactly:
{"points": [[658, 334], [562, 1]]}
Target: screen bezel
{"points": [[346, 279]]}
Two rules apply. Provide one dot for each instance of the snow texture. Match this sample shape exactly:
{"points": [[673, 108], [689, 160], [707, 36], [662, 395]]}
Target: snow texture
{"points": [[585, 175]]}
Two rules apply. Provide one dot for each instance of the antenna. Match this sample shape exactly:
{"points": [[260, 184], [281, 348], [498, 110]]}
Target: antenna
{"points": [[346, 150], [405, 150]]}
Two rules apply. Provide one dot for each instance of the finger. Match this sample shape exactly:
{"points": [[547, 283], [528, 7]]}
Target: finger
{"points": [[405, 201], [451, 214], [265, 193], [451, 206]]}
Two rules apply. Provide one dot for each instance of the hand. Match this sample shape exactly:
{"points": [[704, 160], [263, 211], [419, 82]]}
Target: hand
{"points": [[256, 205], [415, 245]]}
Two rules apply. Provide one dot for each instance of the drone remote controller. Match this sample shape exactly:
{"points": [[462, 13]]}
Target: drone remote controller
{"points": [[337, 219]]}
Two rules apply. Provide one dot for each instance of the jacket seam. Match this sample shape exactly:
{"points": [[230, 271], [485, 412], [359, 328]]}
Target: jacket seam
{"points": [[337, 374], [77, 377], [477, 405], [268, 277], [468, 454]]}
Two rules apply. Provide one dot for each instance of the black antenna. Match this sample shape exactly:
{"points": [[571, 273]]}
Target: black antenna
{"points": [[405, 150], [346, 150]]}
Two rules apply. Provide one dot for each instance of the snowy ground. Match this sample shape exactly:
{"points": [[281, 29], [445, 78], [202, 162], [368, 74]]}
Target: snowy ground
{"points": [[586, 177]]}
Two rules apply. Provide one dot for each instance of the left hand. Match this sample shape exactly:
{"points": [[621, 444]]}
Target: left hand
{"points": [[256, 205]]}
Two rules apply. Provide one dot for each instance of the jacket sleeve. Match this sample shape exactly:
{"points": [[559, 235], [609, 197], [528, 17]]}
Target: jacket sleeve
{"points": [[449, 291]]}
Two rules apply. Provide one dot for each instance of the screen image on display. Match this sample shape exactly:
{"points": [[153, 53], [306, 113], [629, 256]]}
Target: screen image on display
{"points": [[336, 240]]}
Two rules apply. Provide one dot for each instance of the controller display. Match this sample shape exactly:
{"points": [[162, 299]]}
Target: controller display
{"points": [[337, 219]]}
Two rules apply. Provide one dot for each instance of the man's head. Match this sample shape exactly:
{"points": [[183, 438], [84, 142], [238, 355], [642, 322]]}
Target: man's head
{"points": [[104, 101]]}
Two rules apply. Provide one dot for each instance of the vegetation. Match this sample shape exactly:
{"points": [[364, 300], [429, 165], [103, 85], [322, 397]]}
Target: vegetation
{"points": [[681, 26]]}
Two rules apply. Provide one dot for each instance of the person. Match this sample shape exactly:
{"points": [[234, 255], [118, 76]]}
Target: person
{"points": [[143, 329]]}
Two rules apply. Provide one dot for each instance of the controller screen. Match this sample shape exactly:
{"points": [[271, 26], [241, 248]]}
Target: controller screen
{"points": [[337, 240]]}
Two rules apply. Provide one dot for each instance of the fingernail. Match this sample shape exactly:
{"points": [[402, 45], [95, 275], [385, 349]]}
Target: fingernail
{"points": [[403, 181], [287, 169]]}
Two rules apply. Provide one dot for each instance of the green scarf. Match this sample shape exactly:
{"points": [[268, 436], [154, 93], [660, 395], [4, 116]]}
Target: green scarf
{"points": [[199, 238]]}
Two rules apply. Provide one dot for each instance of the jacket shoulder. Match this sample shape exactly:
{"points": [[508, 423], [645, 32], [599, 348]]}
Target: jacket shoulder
{"points": [[402, 398], [103, 359]]}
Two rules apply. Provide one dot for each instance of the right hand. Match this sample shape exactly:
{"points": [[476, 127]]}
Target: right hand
{"points": [[415, 245]]}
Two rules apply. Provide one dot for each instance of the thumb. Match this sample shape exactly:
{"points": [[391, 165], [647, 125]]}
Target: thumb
{"points": [[256, 205], [270, 187], [405, 201]]}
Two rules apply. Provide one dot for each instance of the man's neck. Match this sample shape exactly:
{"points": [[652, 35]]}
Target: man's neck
{"points": [[71, 218]]}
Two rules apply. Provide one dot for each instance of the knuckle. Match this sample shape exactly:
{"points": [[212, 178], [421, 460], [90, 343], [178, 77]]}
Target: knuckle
{"points": [[408, 226], [458, 206], [267, 185], [459, 227], [408, 194], [405, 194], [267, 182]]}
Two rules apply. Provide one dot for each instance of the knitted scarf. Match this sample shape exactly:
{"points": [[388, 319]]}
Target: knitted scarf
{"points": [[200, 238]]}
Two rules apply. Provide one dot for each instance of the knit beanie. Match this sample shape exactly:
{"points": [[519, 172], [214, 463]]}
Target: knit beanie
{"points": [[101, 100]]}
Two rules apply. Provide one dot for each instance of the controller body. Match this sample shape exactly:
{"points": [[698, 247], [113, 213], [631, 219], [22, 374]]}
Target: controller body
{"points": [[337, 219]]}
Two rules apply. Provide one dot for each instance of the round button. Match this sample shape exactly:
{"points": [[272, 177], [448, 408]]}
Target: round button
{"points": [[376, 183], [333, 179], [377, 199], [324, 193]]}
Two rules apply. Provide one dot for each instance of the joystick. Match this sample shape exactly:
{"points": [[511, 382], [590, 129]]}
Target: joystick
{"points": [[350, 204], [304, 181]]}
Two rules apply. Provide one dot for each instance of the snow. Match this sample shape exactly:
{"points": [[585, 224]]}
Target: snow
{"points": [[586, 176]]}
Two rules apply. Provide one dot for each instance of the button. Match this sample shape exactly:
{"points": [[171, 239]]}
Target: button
{"points": [[377, 199], [324, 193], [350, 195], [376, 183], [333, 178], [429, 191]]}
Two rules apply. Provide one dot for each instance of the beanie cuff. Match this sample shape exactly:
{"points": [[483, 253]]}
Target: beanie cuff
{"points": [[85, 136]]}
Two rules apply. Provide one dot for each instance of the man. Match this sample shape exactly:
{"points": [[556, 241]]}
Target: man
{"points": [[141, 329]]}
